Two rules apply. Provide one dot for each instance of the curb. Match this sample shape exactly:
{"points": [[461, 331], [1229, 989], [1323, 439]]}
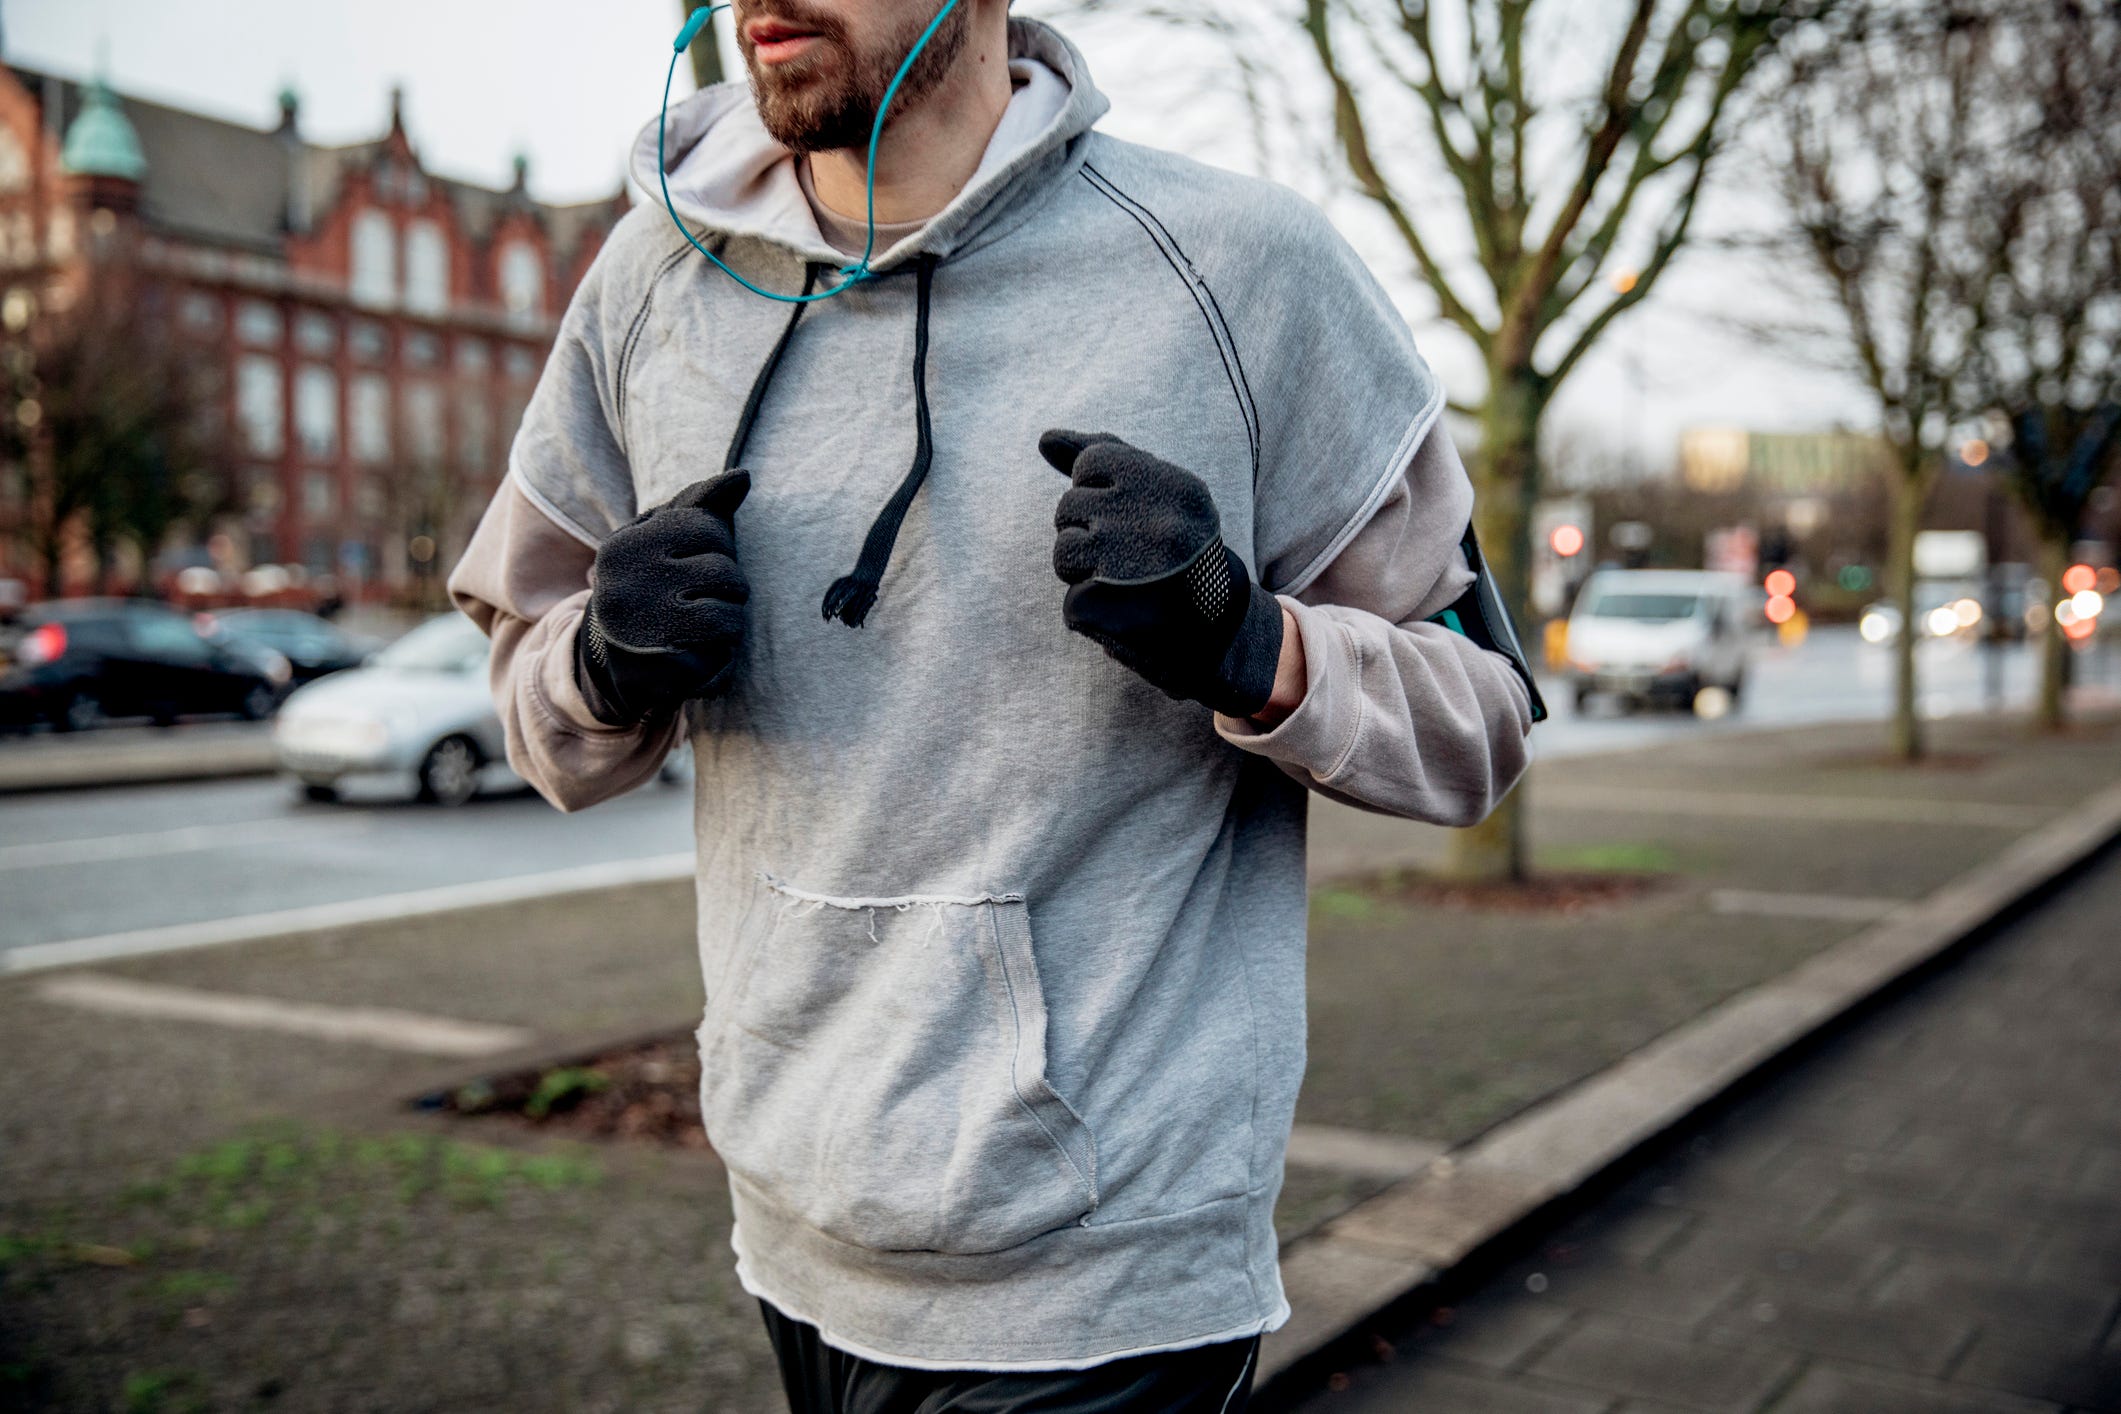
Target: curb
{"points": [[1414, 1234], [132, 763]]}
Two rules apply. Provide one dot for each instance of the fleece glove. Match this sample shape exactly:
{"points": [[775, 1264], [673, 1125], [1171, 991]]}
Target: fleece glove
{"points": [[1150, 580], [666, 607]]}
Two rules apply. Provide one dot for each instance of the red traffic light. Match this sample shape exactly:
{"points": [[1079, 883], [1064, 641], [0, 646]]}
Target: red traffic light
{"points": [[1781, 584], [1567, 540]]}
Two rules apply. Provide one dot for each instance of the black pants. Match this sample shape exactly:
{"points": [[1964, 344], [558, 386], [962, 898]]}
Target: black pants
{"points": [[822, 1379]]}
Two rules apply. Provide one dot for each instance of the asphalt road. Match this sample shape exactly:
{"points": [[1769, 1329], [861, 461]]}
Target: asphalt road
{"points": [[89, 863]]}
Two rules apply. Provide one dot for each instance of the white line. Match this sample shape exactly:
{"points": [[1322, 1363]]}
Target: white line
{"points": [[317, 917], [47, 854], [1778, 905], [373, 1026], [1903, 810], [1357, 1151]]}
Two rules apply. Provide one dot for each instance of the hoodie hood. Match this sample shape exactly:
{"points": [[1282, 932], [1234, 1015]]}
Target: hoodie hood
{"points": [[728, 175]]}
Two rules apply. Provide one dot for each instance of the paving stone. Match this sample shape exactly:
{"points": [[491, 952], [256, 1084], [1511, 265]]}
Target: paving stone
{"points": [[1623, 1293], [1771, 1254], [1899, 1174], [1917, 1342], [2077, 1257], [1929, 1228], [2041, 1365], [1923, 1285], [1498, 1333], [1624, 1358], [1444, 1388], [1839, 1389], [2044, 1196]]}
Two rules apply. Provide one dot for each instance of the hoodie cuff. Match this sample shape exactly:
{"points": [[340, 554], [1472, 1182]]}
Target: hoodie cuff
{"points": [[1319, 736]]}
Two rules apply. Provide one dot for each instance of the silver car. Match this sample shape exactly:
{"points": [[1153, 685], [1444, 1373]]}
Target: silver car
{"points": [[420, 708]]}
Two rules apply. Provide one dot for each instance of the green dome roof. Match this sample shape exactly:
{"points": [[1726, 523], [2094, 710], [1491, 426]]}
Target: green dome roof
{"points": [[101, 142]]}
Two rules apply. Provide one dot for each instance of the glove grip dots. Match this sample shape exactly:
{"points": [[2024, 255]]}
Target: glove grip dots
{"points": [[854, 273]]}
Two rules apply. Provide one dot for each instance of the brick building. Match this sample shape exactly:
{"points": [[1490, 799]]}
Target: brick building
{"points": [[380, 327]]}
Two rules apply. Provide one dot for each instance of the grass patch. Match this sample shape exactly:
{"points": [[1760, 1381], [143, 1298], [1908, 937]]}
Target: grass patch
{"points": [[1612, 856]]}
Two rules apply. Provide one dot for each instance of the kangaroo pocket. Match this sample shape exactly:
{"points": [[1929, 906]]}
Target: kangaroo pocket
{"points": [[878, 1065]]}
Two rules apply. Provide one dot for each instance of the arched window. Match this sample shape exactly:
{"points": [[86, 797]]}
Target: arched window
{"points": [[375, 259], [426, 268], [522, 282]]}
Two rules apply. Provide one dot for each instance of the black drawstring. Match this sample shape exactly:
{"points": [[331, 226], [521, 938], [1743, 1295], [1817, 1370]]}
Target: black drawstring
{"points": [[765, 373], [851, 595]]}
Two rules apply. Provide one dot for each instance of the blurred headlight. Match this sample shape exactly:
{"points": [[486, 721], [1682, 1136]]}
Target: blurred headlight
{"points": [[1942, 622], [1967, 612], [1875, 628], [278, 670], [2087, 603]]}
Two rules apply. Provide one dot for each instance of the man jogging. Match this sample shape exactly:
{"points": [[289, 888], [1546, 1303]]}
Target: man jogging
{"points": [[1011, 598]]}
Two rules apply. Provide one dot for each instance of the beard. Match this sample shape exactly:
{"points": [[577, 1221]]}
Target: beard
{"points": [[828, 98]]}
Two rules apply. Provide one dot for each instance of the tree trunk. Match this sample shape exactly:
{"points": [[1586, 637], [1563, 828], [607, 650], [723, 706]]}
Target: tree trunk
{"points": [[2048, 715], [1910, 494], [706, 52], [1509, 447]]}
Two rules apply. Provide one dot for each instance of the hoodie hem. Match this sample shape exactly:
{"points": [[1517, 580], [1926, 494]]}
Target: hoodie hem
{"points": [[1111, 1286]]}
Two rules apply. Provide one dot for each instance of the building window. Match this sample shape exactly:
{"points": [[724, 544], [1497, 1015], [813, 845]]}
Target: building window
{"points": [[370, 416], [522, 282], [14, 163], [202, 313], [367, 340], [371, 500], [21, 239], [426, 268], [62, 233], [320, 496], [473, 356], [473, 429], [258, 404], [422, 350], [316, 333], [258, 322], [423, 423], [317, 412], [375, 259], [522, 363]]}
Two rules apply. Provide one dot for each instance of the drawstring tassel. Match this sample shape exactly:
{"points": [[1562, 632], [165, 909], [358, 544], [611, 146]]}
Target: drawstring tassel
{"points": [[852, 595]]}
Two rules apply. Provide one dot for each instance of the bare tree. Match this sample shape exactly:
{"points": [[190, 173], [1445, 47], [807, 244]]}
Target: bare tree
{"points": [[2047, 359], [1890, 127], [1574, 141], [112, 421]]}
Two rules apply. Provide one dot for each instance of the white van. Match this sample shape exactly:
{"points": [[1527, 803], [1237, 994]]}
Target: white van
{"points": [[1659, 634]]}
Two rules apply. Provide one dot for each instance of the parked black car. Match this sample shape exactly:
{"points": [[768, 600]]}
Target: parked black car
{"points": [[80, 662], [312, 646]]}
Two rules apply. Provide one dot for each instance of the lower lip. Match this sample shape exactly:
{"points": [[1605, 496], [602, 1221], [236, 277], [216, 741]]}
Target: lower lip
{"points": [[780, 51]]}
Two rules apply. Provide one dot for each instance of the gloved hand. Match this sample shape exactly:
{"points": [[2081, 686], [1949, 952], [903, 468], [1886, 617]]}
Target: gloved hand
{"points": [[1150, 580], [666, 610]]}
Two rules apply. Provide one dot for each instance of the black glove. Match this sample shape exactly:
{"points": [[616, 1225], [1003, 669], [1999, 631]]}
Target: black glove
{"points": [[666, 613], [1150, 579]]}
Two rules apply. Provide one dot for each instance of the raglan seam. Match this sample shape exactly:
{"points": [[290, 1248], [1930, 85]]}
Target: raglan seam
{"points": [[1218, 331], [545, 504], [634, 332]]}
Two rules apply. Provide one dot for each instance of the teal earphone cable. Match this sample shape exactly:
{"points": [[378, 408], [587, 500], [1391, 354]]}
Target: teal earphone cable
{"points": [[859, 270]]}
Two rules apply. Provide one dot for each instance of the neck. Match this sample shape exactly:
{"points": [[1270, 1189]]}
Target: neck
{"points": [[929, 151]]}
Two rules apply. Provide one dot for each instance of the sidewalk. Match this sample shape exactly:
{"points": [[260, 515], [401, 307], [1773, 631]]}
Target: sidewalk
{"points": [[135, 756], [210, 1185], [1923, 1216]]}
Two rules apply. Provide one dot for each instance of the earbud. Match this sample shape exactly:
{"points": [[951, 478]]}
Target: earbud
{"points": [[693, 25]]}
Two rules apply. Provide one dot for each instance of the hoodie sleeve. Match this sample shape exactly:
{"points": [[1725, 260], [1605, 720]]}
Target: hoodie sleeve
{"points": [[524, 578], [1399, 716]]}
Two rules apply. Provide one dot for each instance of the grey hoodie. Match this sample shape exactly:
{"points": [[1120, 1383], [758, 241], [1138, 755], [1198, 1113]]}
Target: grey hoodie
{"points": [[1003, 949]]}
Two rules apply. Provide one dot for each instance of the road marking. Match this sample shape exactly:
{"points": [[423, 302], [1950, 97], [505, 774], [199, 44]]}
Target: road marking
{"points": [[1895, 810], [1780, 905], [349, 913], [1357, 1151], [98, 849], [372, 1026]]}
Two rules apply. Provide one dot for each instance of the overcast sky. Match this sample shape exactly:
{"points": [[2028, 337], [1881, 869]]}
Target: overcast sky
{"points": [[569, 82]]}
